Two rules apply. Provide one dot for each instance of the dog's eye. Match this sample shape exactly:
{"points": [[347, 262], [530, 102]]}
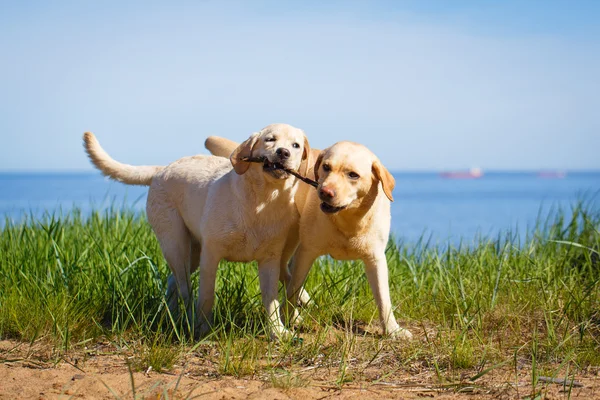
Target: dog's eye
{"points": [[270, 139], [353, 175], [296, 145], [326, 167]]}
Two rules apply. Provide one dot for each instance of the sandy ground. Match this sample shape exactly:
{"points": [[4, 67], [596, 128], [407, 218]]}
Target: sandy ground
{"points": [[27, 375]]}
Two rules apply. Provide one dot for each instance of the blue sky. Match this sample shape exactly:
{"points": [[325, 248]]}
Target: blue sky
{"points": [[427, 85]]}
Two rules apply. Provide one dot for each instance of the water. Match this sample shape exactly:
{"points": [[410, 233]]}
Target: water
{"points": [[451, 210], [445, 210]]}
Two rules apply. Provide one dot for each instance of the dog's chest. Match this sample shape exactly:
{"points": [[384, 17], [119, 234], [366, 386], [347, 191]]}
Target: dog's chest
{"points": [[259, 236], [346, 249]]}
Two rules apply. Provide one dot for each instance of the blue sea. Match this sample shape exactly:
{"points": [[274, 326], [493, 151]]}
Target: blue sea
{"points": [[426, 205]]}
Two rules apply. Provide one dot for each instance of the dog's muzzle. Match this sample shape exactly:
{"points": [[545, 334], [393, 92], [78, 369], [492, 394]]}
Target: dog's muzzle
{"points": [[329, 209], [276, 169]]}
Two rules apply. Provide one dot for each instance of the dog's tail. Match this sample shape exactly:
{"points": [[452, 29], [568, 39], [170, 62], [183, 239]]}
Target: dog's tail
{"points": [[130, 174], [219, 146]]}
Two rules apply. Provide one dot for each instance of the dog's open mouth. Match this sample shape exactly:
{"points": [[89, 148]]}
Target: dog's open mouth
{"points": [[329, 209], [275, 169]]}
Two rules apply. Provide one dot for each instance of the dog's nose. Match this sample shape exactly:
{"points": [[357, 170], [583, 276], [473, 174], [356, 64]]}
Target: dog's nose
{"points": [[327, 192], [284, 154]]}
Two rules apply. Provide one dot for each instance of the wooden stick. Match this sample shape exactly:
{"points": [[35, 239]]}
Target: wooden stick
{"points": [[281, 167]]}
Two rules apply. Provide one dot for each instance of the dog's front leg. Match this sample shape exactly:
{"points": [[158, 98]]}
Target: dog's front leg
{"points": [[268, 275], [207, 275], [301, 263], [291, 244], [377, 274]]}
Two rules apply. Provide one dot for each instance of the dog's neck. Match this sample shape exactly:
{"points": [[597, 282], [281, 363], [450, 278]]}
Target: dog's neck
{"points": [[258, 189], [357, 220]]}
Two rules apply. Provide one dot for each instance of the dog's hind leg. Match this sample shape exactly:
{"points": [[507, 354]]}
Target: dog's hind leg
{"points": [[179, 285], [177, 253], [176, 245]]}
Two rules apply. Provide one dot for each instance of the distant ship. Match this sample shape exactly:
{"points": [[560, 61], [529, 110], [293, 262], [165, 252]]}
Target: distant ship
{"points": [[552, 174], [472, 173]]}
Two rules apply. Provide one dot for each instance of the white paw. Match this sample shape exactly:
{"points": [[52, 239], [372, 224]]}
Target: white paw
{"points": [[303, 298], [280, 333], [400, 333], [291, 317], [296, 320]]}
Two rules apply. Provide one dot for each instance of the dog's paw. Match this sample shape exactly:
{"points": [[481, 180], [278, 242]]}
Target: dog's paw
{"points": [[202, 329], [291, 317], [296, 320], [400, 333], [303, 298], [279, 334]]}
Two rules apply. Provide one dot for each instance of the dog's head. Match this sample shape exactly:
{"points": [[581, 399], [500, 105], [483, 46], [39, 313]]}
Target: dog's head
{"points": [[347, 172], [279, 144]]}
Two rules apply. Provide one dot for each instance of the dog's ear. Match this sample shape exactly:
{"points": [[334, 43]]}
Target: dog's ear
{"points": [[317, 166], [387, 180], [242, 151], [305, 164]]}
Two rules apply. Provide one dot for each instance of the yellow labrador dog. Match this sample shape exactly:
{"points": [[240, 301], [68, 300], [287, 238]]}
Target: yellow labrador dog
{"points": [[202, 210], [347, 217]]}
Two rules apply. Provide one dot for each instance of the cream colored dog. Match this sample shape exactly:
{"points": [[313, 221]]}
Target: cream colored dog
{"points": [[202, 211], [347, 217]]}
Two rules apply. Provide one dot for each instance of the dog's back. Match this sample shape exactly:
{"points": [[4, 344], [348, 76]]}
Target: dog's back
{"points": [[183, 187]]}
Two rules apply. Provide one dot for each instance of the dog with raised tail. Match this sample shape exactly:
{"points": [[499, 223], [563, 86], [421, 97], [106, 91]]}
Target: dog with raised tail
{"points": [[204, 209]]}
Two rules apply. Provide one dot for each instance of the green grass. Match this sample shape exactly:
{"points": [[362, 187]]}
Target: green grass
{"points": [[71, 281]]}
